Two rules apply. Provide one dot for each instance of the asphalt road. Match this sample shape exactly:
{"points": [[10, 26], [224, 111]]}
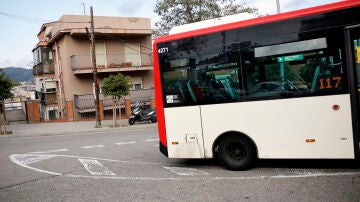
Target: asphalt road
{"points": [[126, 165]]}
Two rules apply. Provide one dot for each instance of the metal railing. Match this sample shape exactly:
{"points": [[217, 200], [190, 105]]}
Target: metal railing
{"points": [[46, 67], [84, 105], [79, 62]]}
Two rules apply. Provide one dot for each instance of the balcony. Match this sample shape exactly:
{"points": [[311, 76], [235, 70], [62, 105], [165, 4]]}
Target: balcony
{"points": [[49, 99], [81, 64], [46, 67]]}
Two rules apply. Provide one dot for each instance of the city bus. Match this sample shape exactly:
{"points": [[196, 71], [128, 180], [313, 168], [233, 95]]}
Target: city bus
{"points": [[283, 86]]}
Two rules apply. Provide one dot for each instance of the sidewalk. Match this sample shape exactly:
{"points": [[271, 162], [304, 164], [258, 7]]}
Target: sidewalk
{"points": [[45, 129]]}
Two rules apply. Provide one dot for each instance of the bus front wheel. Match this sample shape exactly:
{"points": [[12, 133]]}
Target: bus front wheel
{"points": [[236, 152]]}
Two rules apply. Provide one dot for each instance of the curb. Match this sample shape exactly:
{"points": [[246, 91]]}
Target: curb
{"points": [[105, 128]]}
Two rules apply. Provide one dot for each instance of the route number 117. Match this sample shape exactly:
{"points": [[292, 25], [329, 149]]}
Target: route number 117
{"points": [[329, 82]]}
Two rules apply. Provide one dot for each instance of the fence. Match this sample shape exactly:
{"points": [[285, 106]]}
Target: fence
{"points": [[15, 111], [81, 108], [84, 105], [11, 112]]}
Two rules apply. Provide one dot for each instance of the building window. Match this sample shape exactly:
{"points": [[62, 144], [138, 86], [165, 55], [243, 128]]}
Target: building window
{"points": [[136, 83], [132, 54], [37, 56], [100, 52], [136, 86]]}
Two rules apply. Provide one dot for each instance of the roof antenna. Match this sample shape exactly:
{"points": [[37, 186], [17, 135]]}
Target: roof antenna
{"points": [[84, 7]]}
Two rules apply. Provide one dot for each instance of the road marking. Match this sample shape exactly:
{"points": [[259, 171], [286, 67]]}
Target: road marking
{"points": [[49, 151], [92, 146], [151, 140], [71, 134], [24, 159], [185, 171], [214, 178], [94, 167], [28, 160], [125, 143]]}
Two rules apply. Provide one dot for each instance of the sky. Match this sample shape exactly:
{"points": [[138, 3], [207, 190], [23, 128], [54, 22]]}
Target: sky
{"points": [[21, 20]]}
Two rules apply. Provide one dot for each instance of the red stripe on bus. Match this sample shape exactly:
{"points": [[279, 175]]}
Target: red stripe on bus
{"points": [[159, 99]]}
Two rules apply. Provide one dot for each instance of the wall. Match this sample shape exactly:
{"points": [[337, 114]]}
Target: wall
{"points": [[83, 83], [71, 39], [33, 111], [104, 24]]}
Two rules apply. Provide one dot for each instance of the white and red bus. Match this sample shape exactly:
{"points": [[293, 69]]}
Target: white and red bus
{"points": [[284, 86]]}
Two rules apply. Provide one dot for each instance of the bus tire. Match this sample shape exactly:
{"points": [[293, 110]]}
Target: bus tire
{"points": [[236, 152]]}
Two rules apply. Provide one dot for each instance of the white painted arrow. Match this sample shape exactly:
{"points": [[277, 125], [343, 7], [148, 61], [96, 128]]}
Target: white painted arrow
{"points": [[27, 159]]}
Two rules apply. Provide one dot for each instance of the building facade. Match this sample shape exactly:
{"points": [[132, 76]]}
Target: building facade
{"points": [[63, 64]]}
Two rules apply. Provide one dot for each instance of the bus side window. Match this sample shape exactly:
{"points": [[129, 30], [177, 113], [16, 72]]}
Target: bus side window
{"points": [[184, 92], [328, 78], [332, 82], [316, 76], [226, 83], [219, 90], [195, 91]]}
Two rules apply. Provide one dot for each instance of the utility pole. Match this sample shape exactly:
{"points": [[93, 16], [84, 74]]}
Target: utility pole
{"points": [[95, 78], [278, 6]]}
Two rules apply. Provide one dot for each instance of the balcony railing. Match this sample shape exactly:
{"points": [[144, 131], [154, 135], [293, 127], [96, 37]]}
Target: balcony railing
{"points": [[46, 67], [49, 99], [83, 62], [86, 103]]}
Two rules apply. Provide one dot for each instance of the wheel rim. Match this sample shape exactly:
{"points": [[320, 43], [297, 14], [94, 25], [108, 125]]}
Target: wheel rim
{"points": [[236, 151]]}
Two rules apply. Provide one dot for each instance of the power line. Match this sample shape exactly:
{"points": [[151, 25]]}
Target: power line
{"points": [[36, 20], [24, 18]]}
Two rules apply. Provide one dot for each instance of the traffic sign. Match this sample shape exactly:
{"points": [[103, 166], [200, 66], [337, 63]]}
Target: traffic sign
{"points": [[290, 58]]}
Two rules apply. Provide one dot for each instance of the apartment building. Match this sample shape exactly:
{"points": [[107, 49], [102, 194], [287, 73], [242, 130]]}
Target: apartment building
{"points": [[62, 58]]}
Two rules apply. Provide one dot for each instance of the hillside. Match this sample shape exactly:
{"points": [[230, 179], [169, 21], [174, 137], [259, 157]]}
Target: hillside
{"points": [[18, 74]]}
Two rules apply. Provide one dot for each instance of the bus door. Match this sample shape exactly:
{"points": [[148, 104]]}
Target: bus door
{"points": [[353, 50]]}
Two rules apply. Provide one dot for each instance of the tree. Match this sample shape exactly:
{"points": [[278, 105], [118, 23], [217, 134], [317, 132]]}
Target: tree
{"points": [[6, 85], [179, 12], [116, 86]]}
